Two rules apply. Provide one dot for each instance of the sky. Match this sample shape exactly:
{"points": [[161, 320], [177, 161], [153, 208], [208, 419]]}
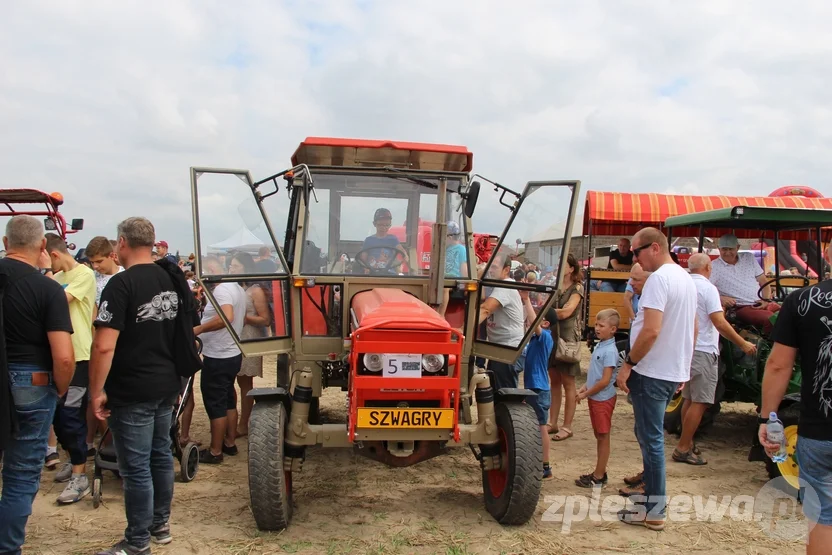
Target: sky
{"points": [[112, 103]]}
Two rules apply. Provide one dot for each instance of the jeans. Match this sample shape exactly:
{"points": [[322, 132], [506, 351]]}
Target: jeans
{"points": [[815, 457], [141, 434], [25, 453], [650, 399]]}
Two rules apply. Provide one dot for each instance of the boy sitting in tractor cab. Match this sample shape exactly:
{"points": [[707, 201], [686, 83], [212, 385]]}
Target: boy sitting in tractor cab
{"points": [[380, 251]]}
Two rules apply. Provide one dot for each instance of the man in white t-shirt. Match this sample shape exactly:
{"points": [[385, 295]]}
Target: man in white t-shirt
{"points": [[738, 277], [700, 391], [661, 348], [505, 317], [222, 359]]}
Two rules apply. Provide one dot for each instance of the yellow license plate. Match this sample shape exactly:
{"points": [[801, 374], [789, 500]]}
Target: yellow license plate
{"points": [[405, 418]]}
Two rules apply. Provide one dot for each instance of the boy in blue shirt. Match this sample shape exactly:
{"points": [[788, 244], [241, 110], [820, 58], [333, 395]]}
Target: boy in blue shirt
{"points": [[536, 378], [600, 392], [381, 248]]}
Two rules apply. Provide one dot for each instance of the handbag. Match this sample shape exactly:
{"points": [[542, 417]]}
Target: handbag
{"points": [[568, 352]]}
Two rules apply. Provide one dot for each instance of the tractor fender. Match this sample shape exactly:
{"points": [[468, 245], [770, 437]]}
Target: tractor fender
{"points": [[272, 394], [513, 394]]}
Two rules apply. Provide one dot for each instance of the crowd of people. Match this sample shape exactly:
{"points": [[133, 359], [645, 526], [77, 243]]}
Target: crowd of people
{"points": [[112, 343], [676, 320]]}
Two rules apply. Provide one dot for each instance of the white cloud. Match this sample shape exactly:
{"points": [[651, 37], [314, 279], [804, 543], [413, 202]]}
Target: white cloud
{"points": [[111, 103]]}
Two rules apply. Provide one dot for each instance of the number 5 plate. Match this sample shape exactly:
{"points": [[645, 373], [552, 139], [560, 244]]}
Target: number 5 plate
{"points": [[402, 366]]}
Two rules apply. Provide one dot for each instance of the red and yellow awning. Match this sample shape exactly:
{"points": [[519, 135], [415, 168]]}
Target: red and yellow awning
{"points": [[625, 213]]}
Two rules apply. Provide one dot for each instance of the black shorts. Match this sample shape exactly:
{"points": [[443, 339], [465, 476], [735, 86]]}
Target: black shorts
{"points": [[217, 385]]}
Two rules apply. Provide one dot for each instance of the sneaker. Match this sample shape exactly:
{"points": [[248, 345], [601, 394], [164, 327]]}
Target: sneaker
{"points": [[233, 451], [77, 488], [52, 460], [590, 481], [547, 473], [65, 473], [124, 548], [207, 457], [161, 534]]}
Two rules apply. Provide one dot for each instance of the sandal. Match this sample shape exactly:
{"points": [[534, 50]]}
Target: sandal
{"points": [[689, 458], [635, 480], [552, 429], [562, 434], [638, 518]]}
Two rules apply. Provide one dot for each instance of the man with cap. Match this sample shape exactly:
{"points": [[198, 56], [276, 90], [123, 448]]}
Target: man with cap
{"points": [[162, 251], [380, 248], [738, 277], [456, 260]]}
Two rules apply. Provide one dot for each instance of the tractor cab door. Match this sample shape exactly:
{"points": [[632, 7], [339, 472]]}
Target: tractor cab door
{"points": [[238, 260], [519, 283]]}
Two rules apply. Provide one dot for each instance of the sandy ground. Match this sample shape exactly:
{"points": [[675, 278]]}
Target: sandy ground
{"points": [[349, 504]]}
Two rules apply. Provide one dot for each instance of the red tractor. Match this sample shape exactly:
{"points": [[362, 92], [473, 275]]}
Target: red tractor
{"points": [[356, 302]]}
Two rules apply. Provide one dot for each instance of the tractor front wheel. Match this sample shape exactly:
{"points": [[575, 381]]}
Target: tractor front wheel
{"points": [[270, 487], [673, 415], [512, 493]]}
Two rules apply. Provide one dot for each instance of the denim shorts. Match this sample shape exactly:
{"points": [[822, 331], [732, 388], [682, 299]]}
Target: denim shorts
{"points": [[815, 458], [540, 403]]}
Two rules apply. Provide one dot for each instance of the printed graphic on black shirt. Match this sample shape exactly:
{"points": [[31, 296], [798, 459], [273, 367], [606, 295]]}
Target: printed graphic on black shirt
{"points": [[164, 306], [822, 384]]}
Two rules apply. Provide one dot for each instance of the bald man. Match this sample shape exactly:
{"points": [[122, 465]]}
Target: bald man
{"points": [[700, 392]]}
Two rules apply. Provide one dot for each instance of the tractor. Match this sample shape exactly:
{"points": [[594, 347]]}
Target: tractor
{"points": [[32, 202], [356, 233]]}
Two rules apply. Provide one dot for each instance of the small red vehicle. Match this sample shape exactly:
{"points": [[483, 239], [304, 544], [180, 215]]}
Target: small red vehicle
{"points": [[32, 202]]}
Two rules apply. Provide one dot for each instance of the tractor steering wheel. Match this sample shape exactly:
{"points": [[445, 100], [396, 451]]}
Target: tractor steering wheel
{"points": [[382, 268], [776, 281]]}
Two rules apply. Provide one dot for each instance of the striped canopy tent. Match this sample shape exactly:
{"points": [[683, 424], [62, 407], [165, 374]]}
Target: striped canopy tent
{"points": [[623, 214]]}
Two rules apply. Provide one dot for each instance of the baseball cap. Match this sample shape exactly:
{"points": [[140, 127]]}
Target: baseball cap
{"points": [[453, 228], [161, 244], [549, 269], [729, 241], [382, 213]]}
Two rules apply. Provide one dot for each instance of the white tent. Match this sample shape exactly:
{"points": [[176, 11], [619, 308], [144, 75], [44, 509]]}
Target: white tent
{"points": [[242, 240]]}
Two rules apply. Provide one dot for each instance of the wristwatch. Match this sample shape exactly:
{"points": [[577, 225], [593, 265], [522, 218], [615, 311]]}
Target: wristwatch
{"points": [[761, 420], [630, 361]]}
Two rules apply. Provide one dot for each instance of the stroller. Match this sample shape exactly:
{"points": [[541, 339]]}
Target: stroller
{"points": [[188, 456]]}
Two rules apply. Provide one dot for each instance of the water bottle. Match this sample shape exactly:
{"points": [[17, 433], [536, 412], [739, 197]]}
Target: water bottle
{"points": [[775, 434]]}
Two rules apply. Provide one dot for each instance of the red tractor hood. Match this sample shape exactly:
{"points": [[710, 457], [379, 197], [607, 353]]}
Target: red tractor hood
{"points": [[393, 308]]}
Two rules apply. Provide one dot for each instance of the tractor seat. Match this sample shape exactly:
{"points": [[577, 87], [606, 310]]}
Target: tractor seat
{"points": [[731, 316]]}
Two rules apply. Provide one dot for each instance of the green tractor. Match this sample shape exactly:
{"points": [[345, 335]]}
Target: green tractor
{"points": [[741, 375]]}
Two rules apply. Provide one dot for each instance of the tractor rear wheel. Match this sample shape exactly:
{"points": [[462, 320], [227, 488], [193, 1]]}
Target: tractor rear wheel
{"points": [[512, 493], [270, 488], [789, 469]]}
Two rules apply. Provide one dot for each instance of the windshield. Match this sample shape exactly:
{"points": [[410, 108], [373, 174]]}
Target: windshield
{"points": [[379, 225]]}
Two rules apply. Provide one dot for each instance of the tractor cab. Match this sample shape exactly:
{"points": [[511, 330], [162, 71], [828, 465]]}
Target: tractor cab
{"points": [[376, 257]]}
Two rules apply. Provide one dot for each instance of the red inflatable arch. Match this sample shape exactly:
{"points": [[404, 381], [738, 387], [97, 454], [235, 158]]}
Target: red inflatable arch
{"points": [[796, 191]]}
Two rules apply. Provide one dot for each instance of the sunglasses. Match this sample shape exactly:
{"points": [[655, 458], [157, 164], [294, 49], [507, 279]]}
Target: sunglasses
{"points": [[637, 250]]}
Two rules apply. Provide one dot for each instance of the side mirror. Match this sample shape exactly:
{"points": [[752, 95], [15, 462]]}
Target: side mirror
{"points": [[471, 197], [49, 224], [77, 225]]}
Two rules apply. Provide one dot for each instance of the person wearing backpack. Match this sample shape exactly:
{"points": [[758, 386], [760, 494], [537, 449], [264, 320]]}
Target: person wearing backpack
{"points": [[561, 373], [135, 380]]}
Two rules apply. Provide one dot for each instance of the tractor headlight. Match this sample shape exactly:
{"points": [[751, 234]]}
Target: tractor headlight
{"points": [[373, 362], [433, 363]]}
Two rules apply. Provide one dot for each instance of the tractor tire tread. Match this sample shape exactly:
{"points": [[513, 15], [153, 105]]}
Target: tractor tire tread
{"points": [[271, 505]]}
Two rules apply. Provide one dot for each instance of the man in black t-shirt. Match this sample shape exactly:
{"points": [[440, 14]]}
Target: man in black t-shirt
{"points": [[621, 260], [804, 327], [134, 383], [37, 365]]}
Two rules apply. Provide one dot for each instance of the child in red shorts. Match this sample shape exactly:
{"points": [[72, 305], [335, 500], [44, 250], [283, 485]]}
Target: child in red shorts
{"points": [[599, 391]]}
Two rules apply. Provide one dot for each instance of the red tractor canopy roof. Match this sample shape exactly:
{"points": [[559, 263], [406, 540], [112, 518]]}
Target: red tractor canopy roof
{"points": [[324, 151], [625, 213], [29, 196]]}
